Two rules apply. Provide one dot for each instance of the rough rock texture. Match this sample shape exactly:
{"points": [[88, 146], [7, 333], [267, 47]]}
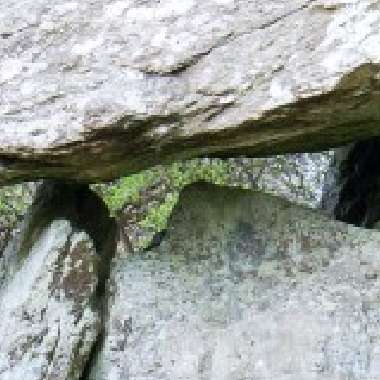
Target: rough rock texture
{"points": [[14, 201], [304, 178], [93, 89], [51, 282], [310, 179], [246, 286]]}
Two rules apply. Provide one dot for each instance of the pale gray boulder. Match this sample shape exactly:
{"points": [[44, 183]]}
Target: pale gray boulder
{"points": [[245, 286], [92, 90], [48, 324], [310, 179], [52, 279]]}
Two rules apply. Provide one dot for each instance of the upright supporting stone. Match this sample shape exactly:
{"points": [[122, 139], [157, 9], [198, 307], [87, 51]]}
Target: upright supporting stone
{"points": [[52, 282]]}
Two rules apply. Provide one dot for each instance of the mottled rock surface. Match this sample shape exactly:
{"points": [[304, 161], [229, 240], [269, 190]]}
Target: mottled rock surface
{"points": [[48, 325], [304, 178], [310, 179], [91, 90], [51, 281], [246, 286], [14, 201]]}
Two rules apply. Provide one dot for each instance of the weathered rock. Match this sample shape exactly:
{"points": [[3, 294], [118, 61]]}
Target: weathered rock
{"points": [[309, 179], [304, 178], [14, 202], [51, 279], [246, 286], [91, 90]]}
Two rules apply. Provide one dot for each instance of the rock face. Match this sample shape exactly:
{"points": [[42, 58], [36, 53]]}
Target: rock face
{"points": [[52, 277], [14, 202], [245, 286], [310, 179], [134, 83]]}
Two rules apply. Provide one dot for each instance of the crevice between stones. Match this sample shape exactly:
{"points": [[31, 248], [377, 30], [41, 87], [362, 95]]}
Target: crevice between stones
{"points": [[94, 216], [359, 195]]}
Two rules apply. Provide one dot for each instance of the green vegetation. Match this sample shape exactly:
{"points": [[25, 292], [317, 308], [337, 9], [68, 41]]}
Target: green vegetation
{"points": [[146, 199], [174, 178], [157, 217], [14, 201], [127, 189], [155, 192]]}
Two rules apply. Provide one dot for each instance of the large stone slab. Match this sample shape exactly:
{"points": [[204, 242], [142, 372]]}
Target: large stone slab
{"points": [[91, 90], [245, 286]]}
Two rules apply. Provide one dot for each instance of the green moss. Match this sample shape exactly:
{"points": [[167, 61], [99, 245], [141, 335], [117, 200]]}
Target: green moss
{"points": [[14, 201], [157, 217], [160, 186], [175, 177], [127, 189]]}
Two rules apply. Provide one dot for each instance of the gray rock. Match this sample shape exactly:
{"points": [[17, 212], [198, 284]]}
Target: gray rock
{"points": [[14, 201], [134, 83], [245, 286], [52, 277], [309, 179], [48, 324]]}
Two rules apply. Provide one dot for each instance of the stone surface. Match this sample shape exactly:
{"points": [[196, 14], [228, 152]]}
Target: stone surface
{"points": [[51, 282], [304, 178], [48, 325], [245, 286], [309, 179], [14, 201], [94, 89]]}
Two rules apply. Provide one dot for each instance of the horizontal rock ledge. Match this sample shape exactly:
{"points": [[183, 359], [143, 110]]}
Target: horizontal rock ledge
{"points": [[94, 90]]}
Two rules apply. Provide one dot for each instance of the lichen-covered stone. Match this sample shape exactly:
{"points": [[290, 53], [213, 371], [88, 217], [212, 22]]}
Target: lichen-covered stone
{"points": [[309, 179], [48, 324], [52, 277], [93, 90], [14, 201], [245, 286]]}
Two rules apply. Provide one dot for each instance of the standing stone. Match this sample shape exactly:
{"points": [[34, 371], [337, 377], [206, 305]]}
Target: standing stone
{"points": [[245, 286], [50, 286]]}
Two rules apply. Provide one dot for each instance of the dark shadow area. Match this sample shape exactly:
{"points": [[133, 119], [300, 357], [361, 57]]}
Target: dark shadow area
{"points": [[359, 199], [71, 201]]}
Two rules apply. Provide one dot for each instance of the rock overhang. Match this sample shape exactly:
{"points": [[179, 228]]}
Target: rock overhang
{"points": [[91, 91]]}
